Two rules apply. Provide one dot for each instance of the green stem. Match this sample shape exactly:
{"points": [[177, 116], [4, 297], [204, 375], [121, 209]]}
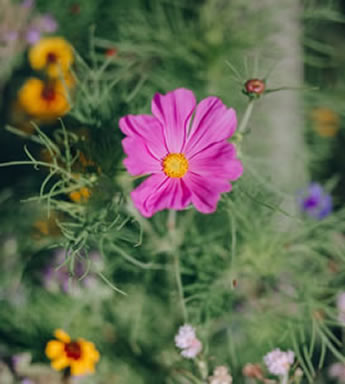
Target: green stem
{"points": [[246, 117], [171, 224]]}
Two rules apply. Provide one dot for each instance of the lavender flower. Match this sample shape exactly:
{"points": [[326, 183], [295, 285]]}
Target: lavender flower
{"points": [[315, 202], [57, 279], [47, 23], [187, 341], [27, 381], [20, 361], [11, 36], [279, 362], [28, 4], [32, 35]]}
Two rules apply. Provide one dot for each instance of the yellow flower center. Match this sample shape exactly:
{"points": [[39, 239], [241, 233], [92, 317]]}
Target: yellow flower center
{"points": [[175, 165]]}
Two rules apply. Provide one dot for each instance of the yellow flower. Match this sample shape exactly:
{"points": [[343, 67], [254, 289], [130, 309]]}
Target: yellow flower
{"points": [[53, 54], [79, 355], [45, 100], [326, 121], [46, 227], [82, 195]]}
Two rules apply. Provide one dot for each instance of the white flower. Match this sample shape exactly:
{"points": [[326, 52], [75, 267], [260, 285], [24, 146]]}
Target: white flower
{"points": [[220, 376], [279, 362], [188, 342]]}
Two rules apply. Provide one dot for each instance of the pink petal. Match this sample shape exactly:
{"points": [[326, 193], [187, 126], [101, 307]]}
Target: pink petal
{"points": [[147, 128], [174, 111], [159, 192], [213, 122], [217, 161], [206, 191], [140, 160]]}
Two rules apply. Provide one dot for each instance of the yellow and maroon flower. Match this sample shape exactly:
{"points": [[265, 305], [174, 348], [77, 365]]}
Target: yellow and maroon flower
{"points": [[80, 355], [44, 100], [52, 54]]}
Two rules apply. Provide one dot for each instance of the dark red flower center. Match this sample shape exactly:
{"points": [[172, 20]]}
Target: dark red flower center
{"points": [[51, 58], [48, 93], [73, 350]]}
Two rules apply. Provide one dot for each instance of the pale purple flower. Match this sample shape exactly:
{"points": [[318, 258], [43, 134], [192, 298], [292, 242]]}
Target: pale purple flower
{"points": [[184, 148], [27, 381], [11, 36], [28, 4], [220, 375], [337, 371], [279, 362], [32, 35], [56, 277], [187, 341], [315, 202], [48, 23], [20, 361]]}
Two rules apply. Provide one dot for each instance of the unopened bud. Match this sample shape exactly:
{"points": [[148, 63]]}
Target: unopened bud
{"points": [[298, 372], [253, 371], [111, 52], [254, 87]]}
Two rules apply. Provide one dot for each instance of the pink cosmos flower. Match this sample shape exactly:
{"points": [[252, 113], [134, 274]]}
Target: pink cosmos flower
{"points": [[189, 159]]}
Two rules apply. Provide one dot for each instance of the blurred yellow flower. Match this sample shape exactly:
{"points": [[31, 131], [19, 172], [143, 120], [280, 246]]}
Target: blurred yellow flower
{"points": [[82, 195], [326, 121], [79, 355], [52, 54], [45, 100], [46, 227]]}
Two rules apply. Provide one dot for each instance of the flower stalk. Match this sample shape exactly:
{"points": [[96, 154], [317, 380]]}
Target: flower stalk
{"points": [[247, 114], [171, 225]]}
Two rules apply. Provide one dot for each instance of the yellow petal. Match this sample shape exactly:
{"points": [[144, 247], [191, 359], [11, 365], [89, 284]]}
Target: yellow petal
{"points": [[60, 363], [60, 334], [79, 368], [89, 350], [54, 349]]}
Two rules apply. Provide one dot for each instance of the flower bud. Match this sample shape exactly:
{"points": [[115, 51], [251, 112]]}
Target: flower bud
{"points": [[254, 87], [253, 371]]}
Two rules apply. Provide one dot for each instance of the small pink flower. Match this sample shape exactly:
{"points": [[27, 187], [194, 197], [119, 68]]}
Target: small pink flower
{"points": [[337, 371], [187, 341], [279, 362], [189, 159]]}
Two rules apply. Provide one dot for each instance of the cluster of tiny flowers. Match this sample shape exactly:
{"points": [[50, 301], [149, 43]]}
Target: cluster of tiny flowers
{"points": [[20, 25], [279, 362], [187, 341], [341, 307], [221, 375]]}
